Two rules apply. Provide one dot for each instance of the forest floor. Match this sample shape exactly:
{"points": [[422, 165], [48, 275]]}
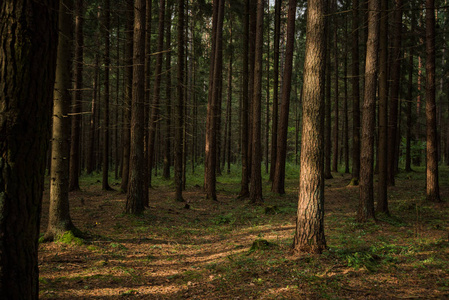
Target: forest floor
{"points": [[209, 250]]}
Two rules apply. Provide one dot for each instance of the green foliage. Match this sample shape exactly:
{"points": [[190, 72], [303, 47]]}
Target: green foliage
{"points": [[224, 219], [69, 238]]}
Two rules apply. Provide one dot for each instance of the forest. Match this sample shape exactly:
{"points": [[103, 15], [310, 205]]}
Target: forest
{"points": [[212, 149]]}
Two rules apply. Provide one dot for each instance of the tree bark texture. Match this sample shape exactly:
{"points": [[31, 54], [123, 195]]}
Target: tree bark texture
{"points": [[309, 234], [28, 42], [77, 98], [126, 140], [255, 191], [382, 200], [59, 214], [279, 174], [355, 95], [107, 61], [432, 184], [135, 201], [366, 201]]}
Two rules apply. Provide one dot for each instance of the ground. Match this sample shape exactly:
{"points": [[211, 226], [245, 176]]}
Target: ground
{"points": [[233, 250]]}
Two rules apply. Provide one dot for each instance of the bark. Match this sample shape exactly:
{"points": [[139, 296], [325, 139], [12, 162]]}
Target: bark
{"points": [[279, 174], [382, 201], [255, 192], [126, 142], [77, 100], [136, 199], [309, 234], [432, 184], [345, 104], [146, 113], [366, 201], [179, 107], [213, 103], [336, 92], [155, 105], [244, 187], [328, 116], [408, 156], [355, 95], [28, 42], [107, 61], [229, 115], [59, 214], [90, 160], [394, 95], [168, 106], [274, 127]]}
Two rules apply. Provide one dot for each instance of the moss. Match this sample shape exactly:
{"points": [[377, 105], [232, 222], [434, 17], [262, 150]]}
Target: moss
{"points": [[68, 238]]}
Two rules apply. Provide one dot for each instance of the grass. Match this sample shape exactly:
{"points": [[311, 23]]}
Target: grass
{"points": [[230, 249]]}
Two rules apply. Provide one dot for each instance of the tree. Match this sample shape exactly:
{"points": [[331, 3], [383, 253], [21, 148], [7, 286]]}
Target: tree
{"points": [[107, 61], [135, 200], [77, 100], [309, 234], [168, 87], [59, 214], [274, 128], [28, 42], [128, 94], [432, 184], [155, 109], [179, 107], [215, 79], [366, 203], [279, 174], [244, 187], [394, 92], [255, 192], [355, 95], [382, 201], [336, 92]]}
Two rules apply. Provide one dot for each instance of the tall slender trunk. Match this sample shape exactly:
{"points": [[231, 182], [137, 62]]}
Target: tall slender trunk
{"points": [[255, 192], [366, 204], [168, 106], [179, 107], [336, 92], [309, 235], [382, 154], [107, 60], [274, 127], [394, 92], [59, 214], [77, 102], [90, 160], [355, 95], [432, 184], [156, 89], [146, 113], [244, 187], [345, 104], [126, 140], [279, 174]]}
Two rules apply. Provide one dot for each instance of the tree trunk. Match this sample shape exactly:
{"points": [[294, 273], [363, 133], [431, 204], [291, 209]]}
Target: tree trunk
{"points": [[29, 35], [345, 104], [214, 94], [77, 102], [408, 156], [136, 198], [107, 60], [394, 93], [355, 95], [366, 203], [90, 161], [279, 174], [179, 108], [309, 234], [157, 89], [59, 214], [336, 92], [432, 184], [147, 87], [126, 142], [244, 187], [274, 127], [255, 192], [382, 200], [168, 106]]}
